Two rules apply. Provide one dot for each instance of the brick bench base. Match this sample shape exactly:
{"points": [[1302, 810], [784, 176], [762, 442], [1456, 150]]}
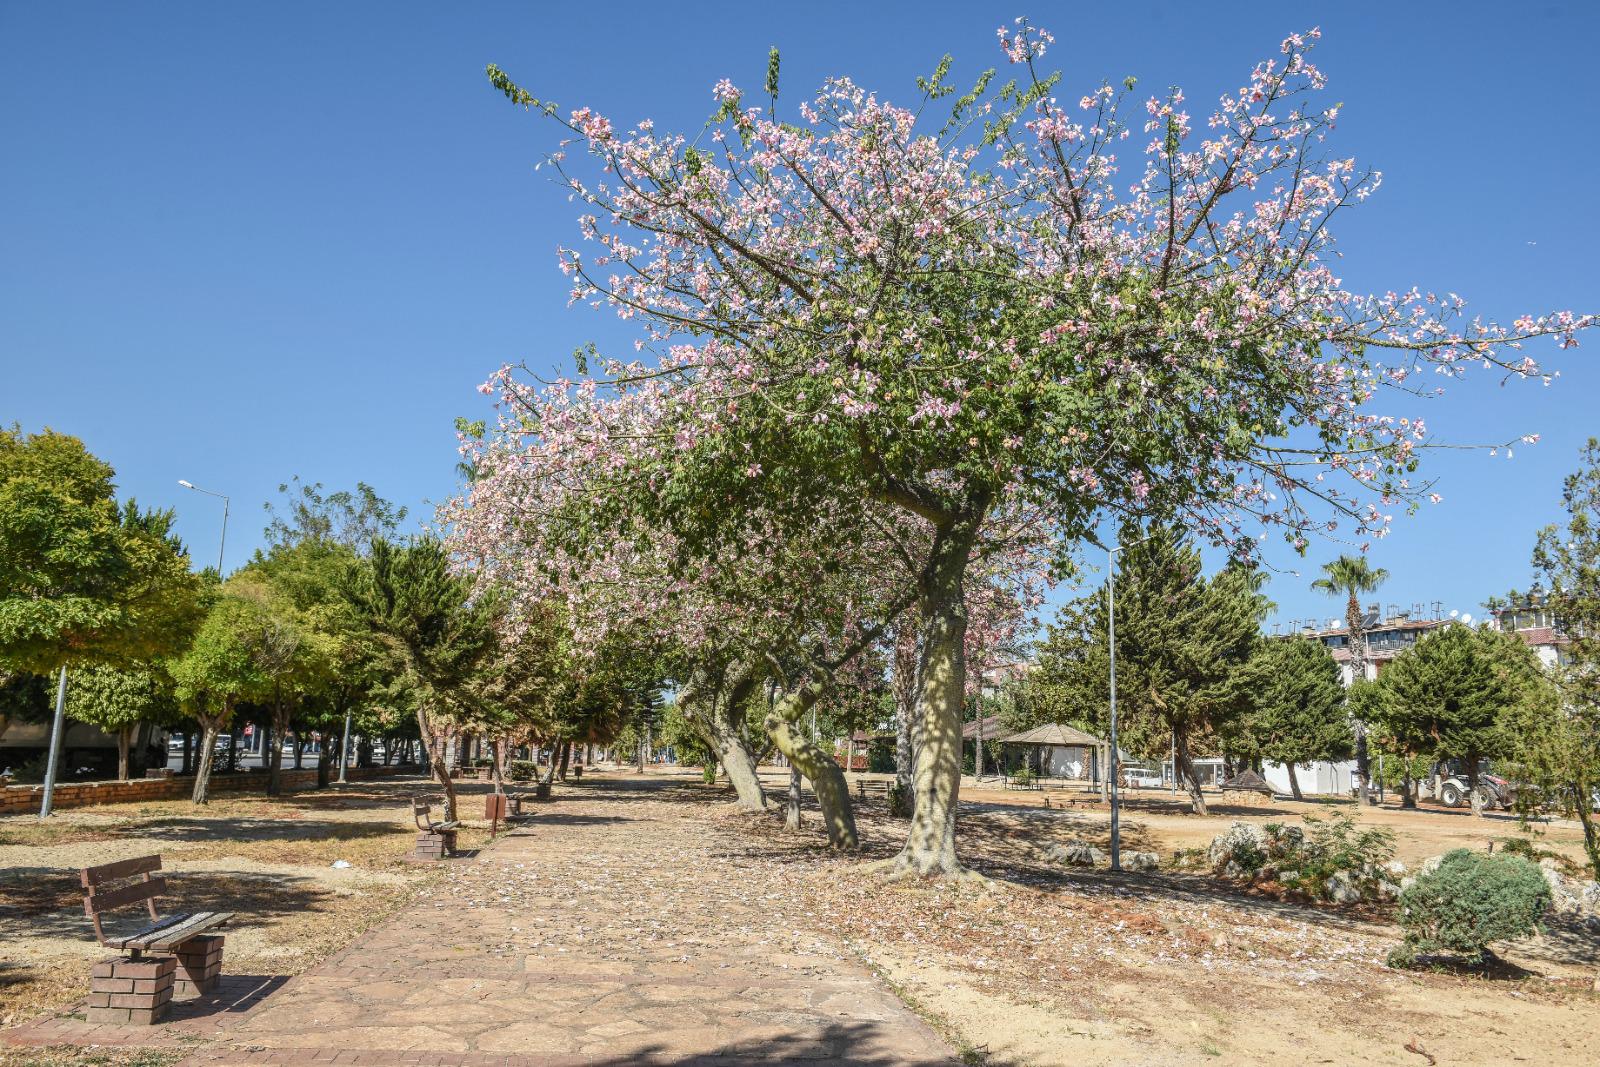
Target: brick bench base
{"points": [[131, 991], [199, 965], [435, 846]]}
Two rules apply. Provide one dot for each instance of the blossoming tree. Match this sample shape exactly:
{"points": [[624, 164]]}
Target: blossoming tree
{"points": [[958, 312]]}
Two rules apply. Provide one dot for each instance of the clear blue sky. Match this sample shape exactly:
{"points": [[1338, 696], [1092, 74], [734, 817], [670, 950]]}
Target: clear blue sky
{"points": [[239, 243]]}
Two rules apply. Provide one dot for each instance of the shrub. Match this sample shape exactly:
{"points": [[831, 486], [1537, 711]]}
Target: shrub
{"points": [[1023, 776], [1468, 901], [1335, 844], [523, 770]]}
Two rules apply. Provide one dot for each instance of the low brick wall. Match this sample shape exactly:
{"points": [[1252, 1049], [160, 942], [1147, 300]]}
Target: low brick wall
{"points": [[22, 799]]}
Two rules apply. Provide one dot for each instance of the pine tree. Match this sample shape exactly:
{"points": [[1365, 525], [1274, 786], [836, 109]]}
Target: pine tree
{"points": [[1452, 693], [438, 628], [1557, 745], [1297, 707], [1181, 639]]}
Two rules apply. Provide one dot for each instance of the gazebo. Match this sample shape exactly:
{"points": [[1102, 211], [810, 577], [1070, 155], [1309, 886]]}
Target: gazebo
{"points": [[1058, 751]]}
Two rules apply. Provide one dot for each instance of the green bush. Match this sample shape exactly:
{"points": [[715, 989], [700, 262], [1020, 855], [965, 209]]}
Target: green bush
{"points": [[523, 770], [1336, 844], [1023, 776], [1468, 901]]}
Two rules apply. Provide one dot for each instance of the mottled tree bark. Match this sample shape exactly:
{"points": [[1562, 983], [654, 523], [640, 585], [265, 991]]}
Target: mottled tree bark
{"points": [[209, 729], [826, 776], [930, 848], [437, 742], [791, 811], [1294, 782]]}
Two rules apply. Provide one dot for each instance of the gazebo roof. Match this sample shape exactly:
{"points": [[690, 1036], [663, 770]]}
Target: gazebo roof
{"points": [[991, 729], [1054, 734], [1247, 781]]}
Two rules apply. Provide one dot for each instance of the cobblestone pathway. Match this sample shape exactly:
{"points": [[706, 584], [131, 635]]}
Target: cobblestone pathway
{"points": [[621, 926]]}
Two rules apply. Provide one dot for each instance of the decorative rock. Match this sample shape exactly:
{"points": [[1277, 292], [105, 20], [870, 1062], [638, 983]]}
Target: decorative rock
{"points": [[1142, 861], [1237, 838], [1341, 889], [1076, 854]]}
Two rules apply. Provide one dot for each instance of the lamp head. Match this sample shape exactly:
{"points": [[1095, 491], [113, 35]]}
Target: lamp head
{"points": [[186, 485]]}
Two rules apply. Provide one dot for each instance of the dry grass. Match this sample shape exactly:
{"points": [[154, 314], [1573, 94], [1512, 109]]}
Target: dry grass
{"points": [[270, 861]]}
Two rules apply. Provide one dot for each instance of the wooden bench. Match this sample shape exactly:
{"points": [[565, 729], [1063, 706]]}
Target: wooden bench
{"points": [[875, 786], [435, 840], [184, 957]]}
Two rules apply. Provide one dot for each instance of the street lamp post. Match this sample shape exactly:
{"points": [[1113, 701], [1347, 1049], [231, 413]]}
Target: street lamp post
{"points": [[1116, 758], [224, 542], [47, 801], [344, 749]]}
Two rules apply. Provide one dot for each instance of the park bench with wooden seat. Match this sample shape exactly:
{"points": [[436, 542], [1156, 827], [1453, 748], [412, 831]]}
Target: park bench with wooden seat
{"points": [[875, 786], [435, 840], [173, 954]]}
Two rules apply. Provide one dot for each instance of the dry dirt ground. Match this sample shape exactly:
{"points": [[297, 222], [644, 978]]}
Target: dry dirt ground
{"points": [[1055, 966], [270, 860], [1040, 966]]}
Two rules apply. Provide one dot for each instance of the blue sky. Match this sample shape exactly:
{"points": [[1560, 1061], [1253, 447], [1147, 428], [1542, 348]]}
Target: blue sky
{"points": [[240, 243]]}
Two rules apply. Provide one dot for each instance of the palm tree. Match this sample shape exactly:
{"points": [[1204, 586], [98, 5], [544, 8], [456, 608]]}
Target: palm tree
{"points": [[1352, 576]]}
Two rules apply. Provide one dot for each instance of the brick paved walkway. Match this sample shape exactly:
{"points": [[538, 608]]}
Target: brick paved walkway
{"points": [[622, 926]]}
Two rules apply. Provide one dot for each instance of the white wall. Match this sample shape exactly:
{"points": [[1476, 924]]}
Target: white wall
{"points": [[1316, 779]]}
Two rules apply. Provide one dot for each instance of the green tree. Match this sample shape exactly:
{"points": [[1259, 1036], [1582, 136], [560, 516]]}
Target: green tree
{"points": [[1352, 577], [436, 630], [119, 700], [1182, 638], [1451, 695], [1557, 746], [1297, 706], [83, 580], [215, 673], [316, 542]]}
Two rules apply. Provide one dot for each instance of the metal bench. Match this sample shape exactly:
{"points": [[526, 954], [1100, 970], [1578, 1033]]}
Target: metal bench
{"points": [[184, 957]]}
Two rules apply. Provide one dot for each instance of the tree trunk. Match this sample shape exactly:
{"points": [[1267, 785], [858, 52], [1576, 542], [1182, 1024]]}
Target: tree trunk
{"points": [[326, 761], [1186, 771], [274, 740], [299, 750], [566, 759], [1294, 782], [791, 813], [202, 774], [188, 750], [1408, 788], [435, 743], [124, 740], [733, 753], [827, 778], [1591, 830], [497, 770], [905, 705], [930, 848]]}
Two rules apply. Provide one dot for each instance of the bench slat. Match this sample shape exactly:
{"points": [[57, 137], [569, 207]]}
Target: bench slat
{"points": [[129, 894], [198, 924], [172, 931], [115, 872], [145, 932]]}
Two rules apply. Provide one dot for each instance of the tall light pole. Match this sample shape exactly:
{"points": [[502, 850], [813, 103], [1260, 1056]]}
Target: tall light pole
{"points": [[1116, 760], [224, 542], [48, 799]]}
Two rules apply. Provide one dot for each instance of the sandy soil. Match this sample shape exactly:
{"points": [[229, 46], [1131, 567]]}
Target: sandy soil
{"points": [[269, 861], [1051, 966]]}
